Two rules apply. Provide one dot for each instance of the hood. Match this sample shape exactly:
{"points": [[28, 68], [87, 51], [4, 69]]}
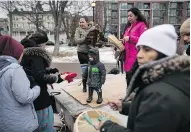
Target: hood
{"points": [[173, 70], [95, 53], [40, 52], [5, 62]]}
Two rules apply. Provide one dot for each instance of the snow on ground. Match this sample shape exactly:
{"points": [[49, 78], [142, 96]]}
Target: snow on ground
{"points": [[69, 54]]}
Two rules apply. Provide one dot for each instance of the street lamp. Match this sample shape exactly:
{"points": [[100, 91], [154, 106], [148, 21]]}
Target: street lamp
{"points": [[93, 6]]}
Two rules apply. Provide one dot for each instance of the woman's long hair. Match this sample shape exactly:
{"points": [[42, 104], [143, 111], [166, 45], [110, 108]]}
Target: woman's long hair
{"points": [[139, 15]]}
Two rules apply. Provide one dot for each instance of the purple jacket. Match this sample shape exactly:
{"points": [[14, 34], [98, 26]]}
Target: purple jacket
{"points": [[134, 32]]}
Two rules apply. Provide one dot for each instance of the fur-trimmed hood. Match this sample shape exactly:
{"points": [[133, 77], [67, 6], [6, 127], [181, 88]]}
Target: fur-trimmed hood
{"points": [[156, 70], [38, 51]]}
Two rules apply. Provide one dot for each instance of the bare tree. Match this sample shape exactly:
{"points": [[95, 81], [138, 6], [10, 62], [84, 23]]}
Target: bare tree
{"points": [[57, 9], [9, 6], [33, 12], [70, 24]]}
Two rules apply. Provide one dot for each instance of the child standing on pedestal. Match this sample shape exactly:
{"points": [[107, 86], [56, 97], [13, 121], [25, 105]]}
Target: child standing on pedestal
{"points": [[96, 75]]}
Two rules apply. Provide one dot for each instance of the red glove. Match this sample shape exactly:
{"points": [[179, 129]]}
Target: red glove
{"points": [[69, 76]]}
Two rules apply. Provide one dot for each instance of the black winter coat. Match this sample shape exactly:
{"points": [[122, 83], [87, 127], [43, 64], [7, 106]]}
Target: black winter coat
{"points": [[162, 101], [35, 61]]}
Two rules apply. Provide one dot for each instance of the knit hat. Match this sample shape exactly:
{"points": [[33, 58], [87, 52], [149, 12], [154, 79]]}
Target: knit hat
{"points": [[94, 52], [10, 47], [162, 38], [185, 27], [35, 39]]}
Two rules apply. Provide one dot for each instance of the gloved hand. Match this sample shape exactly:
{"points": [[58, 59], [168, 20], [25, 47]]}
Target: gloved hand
{"points": [[51, 70], [59, 79], [32, 81], [69, 76]]}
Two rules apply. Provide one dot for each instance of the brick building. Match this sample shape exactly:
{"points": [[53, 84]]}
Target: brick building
{"points": [[114, 14]]}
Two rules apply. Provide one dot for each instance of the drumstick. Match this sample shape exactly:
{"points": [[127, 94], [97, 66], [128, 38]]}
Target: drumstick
{"points": [[97, 112], [88, 119]]}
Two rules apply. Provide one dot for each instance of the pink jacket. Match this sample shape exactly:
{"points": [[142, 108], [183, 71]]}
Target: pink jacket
{"points": [[134, 32]]}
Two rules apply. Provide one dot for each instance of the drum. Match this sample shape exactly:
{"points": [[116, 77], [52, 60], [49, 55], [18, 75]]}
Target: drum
{"points": [[81, 125], [118, 44]]}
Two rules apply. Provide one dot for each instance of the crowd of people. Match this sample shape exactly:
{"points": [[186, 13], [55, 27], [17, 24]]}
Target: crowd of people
{"points": [[158, 79]]}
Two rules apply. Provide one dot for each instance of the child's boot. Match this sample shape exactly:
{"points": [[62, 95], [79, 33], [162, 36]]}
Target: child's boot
{"points": [[90, 96], [99, 93]]}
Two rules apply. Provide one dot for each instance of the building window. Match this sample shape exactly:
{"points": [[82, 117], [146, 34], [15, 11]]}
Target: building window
{"points": [[126, 5], [109, 5], [130, 5], [123, 6], [146, 13], [143, 5], [159, 6], [176, 5], [114, 21], [174, 20], [175, 13], [123, 13], [15, 18], [114, 14], [159, 13], [114, 6], [124, 20], [157, 21]]}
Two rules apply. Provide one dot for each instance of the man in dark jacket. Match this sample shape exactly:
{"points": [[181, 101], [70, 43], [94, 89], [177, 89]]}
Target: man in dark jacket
{"points": [[162, 99], [96, 75]]}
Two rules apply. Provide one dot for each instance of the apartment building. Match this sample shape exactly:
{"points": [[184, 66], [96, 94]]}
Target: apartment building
{"points": [[156, 12]]}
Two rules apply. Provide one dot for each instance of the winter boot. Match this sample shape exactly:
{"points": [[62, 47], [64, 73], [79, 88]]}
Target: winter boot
{"points": [[84, 85], [99, 100], [90, 96]]}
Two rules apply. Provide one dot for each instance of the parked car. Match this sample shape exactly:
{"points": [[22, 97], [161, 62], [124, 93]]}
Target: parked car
{"points": [[49, 43]]}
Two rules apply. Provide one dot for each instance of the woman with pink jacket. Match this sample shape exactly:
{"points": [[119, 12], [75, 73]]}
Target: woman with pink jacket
{"points": [[135, 27]]}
